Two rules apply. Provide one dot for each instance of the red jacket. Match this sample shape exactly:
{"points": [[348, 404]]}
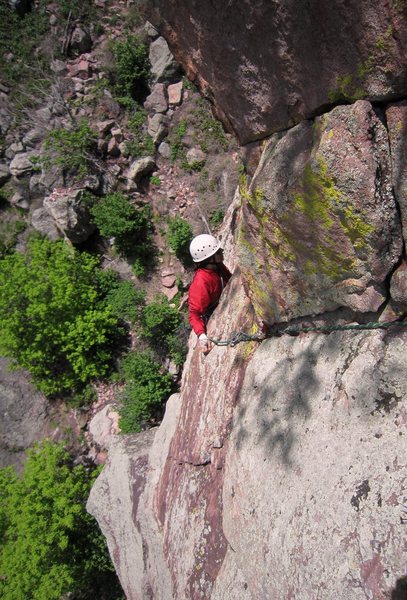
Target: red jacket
{"points": [[204, 294]]}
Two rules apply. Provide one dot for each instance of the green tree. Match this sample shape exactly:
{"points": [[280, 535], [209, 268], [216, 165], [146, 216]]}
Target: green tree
{"points": [[71, 149], [132, 67], [162, 327], [147, 387], [52, 321], [131, 228], [50, 545], [179, 237]]}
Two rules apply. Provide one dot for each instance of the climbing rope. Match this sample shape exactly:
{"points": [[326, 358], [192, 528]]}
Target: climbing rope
{"points": [[240, 336]]}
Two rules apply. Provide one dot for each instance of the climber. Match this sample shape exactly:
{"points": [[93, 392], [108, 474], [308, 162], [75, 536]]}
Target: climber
{"points": [[210, 278]]}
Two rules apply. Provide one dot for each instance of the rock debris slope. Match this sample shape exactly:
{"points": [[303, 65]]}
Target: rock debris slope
{"points": [[279, 470]]}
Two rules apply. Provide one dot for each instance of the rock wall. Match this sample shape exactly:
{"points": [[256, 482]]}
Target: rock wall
{"points": [[279, 469], [270, 64]]}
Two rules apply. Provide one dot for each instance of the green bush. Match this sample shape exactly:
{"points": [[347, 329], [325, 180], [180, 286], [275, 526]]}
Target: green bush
{"points": [[178, 150], [140, 143], [132, 68], [50, 545], [126, 302], [131, 228], [161, 326], [145, 391], [159, 320], [179, 236], [70, 149], [52, 321], [216, 217]]}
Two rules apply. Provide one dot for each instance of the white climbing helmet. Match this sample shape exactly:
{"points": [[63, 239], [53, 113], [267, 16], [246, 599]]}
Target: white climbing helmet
{"points": [[203, 246]]}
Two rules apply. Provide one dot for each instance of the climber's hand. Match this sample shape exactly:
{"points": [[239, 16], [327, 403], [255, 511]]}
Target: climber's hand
{"points": [[204, 343]]}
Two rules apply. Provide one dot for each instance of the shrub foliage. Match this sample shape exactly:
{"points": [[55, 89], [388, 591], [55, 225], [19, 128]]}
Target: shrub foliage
{"points": [[147, 387], [52, 321], [50, 545], [179, 236], [131, 228]]}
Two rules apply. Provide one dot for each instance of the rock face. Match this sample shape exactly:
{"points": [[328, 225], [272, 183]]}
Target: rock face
{"points": [[271, 481], [279, 470], [268, 65], [322, 217]]}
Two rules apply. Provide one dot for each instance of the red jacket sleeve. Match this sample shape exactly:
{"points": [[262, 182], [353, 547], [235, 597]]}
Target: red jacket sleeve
{"points": [[199, 300]]}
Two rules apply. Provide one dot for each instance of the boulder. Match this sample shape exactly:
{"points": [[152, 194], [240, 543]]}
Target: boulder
{"points": [[163, 65], [396, 118], [140, 167], [319, 225], [104, 425], [158, 127], [164, 149], [174, 91], [195, 156], [268, 65], [22, 164], [23, 414], [157, 102], [80, 41], [71, 217], [398, 285], [43, 222], [4, 174]]}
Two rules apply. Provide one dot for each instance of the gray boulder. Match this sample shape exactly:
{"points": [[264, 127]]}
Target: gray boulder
{"points": [[21, 164], [157, 101], [140, 168], [70, 215], [80, 41], [4, 174], [158, 127], [163, 65], [43, 222]]}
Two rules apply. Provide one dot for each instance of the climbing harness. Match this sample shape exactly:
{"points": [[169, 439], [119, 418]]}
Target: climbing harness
{"points": [[240, 336]]}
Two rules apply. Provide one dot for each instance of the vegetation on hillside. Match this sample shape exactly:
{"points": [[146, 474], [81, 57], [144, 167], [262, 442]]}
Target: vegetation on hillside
{"points": [[50, 546]]}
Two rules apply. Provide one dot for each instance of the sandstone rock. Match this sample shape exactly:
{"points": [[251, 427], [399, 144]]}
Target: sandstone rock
{"points": [[168, 281], [59, 67], [157, 102], [20, 200], [104, 127], [261, 470], [21, 164], [163, 66], [80, 41], [164, 150], [104, 425], [398, 284], [330, 232], [33, 136], [140, 168], [396, 117], [151, 31], [43, 222], [13, 149], [70, 216], [4, 174], [157, 127], [250, 58], [113, 148], [174, 91], [170, 292], [195, 156], [23, 413]]}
